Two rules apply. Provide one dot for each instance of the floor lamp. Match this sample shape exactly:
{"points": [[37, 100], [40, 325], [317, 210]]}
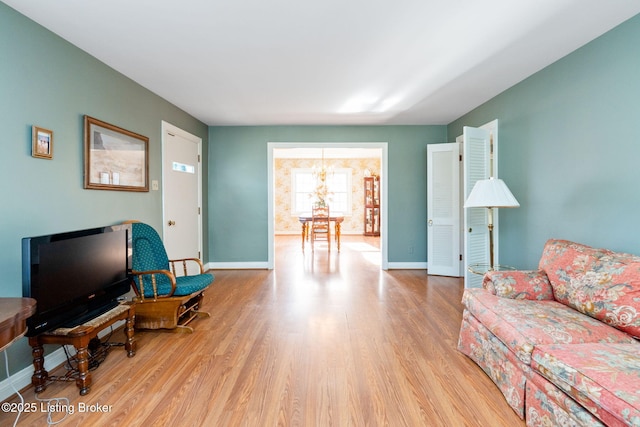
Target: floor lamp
{"points": [[491, 193]]}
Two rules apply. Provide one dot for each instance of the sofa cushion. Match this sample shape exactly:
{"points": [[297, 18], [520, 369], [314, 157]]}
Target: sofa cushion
{"points": [[522, 324], [519, 284], [597, 282], [605, 374]]}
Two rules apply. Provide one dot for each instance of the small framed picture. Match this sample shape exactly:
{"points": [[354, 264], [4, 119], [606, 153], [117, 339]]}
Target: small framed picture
{"points": [[42, 143]]}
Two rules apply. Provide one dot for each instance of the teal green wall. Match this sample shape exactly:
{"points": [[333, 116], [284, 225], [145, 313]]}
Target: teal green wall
{"points": [[238, 185], [570, 149], [48, 82]]}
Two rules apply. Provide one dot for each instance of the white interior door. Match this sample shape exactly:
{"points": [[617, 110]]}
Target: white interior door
{"points": [[477, 154], [182, 194], [443, 209]]}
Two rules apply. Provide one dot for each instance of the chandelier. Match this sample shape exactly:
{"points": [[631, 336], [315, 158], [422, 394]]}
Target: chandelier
{"points": [[321, 193]]}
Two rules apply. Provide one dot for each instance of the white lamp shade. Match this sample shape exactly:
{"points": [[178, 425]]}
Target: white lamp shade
{"points": [[491, 193]]}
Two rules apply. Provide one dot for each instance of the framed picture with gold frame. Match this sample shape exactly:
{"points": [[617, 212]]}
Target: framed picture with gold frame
{"points": [[114, 158], [41, 143]]}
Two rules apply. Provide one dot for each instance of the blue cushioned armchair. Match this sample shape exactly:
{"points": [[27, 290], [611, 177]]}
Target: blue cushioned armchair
{"points": [[165, 299]]}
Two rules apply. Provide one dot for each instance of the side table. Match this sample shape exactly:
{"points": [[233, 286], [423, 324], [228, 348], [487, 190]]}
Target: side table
{"points": [[13, 319], [481, 268], [79, 337]]}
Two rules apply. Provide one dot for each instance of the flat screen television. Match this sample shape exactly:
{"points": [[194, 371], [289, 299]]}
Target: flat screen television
{"points": [[75, 276]]}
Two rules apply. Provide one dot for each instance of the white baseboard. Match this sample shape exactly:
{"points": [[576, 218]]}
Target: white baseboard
{"points": [[408, 266], [264, 266], [259, 265], [22, 378]]}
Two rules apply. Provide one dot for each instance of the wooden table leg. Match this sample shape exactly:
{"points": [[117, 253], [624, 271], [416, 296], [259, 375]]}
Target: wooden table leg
{"points": [[338, 235], [81, 336], [83, 381], [304, 233], [130, 344], [40, 375]]}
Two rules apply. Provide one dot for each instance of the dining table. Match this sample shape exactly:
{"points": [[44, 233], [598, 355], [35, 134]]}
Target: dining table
{"points": [[306, 219]]}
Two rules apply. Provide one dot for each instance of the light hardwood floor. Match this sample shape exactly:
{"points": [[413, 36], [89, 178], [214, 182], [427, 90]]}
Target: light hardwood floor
{"points": [[325, 339]]}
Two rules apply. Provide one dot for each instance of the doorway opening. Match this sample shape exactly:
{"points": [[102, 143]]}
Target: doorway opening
{"points": [[278, 150]]}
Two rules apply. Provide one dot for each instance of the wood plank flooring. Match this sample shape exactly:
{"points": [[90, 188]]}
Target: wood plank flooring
{"points": [[325, 339]]}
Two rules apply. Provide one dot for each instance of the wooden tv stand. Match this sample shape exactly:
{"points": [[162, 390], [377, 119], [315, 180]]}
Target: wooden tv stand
{"points": [[79, 337]]}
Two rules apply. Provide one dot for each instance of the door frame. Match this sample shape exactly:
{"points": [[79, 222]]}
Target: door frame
{"points": [[383, 188], [170, 128]]}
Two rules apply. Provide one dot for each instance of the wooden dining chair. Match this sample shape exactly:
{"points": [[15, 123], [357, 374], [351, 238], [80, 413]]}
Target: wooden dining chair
{"points": [[320, 229]]}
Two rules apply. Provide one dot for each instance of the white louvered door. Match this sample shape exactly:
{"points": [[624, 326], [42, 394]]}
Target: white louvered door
{"points": [[443, 209], [476, 159]]}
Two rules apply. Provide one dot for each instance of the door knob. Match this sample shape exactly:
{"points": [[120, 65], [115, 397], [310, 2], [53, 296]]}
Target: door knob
{"points": [[430, 222], [171, 223]]}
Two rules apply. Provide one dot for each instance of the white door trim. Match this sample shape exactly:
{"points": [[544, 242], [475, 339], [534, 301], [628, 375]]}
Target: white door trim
{"points": [[383, 183], [168, 127]]}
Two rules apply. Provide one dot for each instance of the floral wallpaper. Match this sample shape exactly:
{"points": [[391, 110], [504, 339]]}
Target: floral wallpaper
{"points": [[287, 224]]}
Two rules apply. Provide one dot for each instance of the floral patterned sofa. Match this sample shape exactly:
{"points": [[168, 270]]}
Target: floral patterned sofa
{"points": [[561, 342]]}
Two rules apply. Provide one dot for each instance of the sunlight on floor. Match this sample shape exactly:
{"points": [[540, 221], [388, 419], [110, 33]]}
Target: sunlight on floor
{"points": [[372, 257], [369, 252], [360, 247]]}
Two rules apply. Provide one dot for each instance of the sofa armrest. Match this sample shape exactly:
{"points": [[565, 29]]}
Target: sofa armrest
{"points": [[519, 284]]}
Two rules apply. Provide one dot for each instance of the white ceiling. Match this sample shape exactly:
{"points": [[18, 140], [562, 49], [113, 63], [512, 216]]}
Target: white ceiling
{"points": [[253, 62]]}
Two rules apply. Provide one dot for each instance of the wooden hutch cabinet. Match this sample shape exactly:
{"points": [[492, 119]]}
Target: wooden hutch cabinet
{"points": [[372, 206]]}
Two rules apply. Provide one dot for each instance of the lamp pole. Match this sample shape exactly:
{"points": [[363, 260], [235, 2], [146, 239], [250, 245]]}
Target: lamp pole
{"points": [[490, 226]]}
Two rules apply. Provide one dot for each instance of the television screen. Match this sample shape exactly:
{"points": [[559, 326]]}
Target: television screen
{"points": [[75, 276]]}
